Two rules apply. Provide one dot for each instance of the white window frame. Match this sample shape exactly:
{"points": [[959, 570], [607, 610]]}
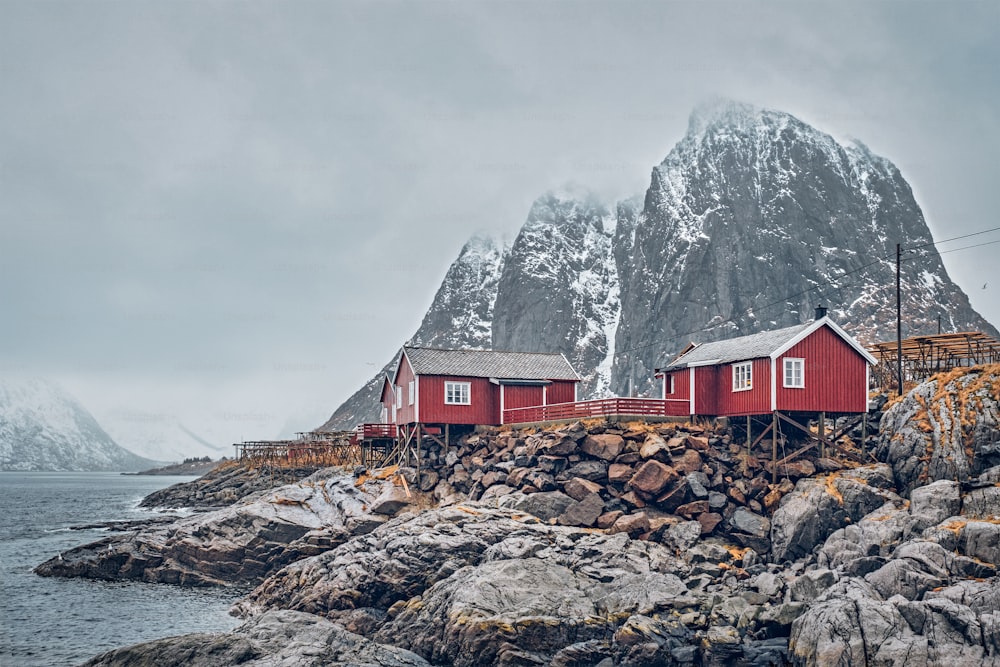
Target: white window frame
{"points": [[743, 376], [670, 385], [411, 392], [790, 363], [399, 397], [455, 392]]}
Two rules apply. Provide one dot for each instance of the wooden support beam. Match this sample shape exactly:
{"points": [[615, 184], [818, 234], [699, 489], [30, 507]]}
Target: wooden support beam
{"points": [[749, 435], [762, 435], [864, 432], [419, 439], [822, 434], [774, 447]]}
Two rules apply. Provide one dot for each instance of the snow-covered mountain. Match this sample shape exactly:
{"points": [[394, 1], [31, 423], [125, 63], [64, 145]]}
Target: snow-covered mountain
{"points": [[561, 276], [752, 219], [42, 427]]}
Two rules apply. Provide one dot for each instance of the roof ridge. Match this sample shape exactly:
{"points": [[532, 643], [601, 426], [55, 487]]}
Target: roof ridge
{"points": [[472, 349]]}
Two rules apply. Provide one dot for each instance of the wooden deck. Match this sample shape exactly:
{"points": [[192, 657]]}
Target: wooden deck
{"points": [[604, 407], [374, 432]]}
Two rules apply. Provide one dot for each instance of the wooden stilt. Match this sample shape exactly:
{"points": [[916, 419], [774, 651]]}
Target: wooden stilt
{"points": [[864, 433], [749, 435], [774, 448], [419, 439], [822, 434]]}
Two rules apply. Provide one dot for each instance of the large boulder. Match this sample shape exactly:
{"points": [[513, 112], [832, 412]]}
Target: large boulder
{"points": [[819, 506], [404, 557], [853, 624], [275, 638], [945, 428], [530, 605], [240, 544], [605, 446], [652, 477]]}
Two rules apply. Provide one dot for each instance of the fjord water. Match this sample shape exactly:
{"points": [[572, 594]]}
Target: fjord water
{"points": [[48, 621]]}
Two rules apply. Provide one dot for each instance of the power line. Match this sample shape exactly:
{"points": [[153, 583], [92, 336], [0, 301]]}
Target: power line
{"points": [[977, 245], [832, 282], [954, 238]]}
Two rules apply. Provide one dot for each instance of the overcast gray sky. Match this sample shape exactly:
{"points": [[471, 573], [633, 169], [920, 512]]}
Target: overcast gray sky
{"points": [[236, 211]]}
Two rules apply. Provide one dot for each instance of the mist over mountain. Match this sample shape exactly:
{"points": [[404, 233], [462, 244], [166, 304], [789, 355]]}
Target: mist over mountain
{"points": [[750, 221], [43, 428]]}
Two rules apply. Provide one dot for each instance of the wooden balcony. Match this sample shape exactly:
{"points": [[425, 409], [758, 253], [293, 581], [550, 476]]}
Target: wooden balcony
{"points": [[604, 407], [374, 432]]}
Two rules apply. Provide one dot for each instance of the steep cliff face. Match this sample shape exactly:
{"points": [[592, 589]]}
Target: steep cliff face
{"points": [[755, 217], [752, 220], [460, 316], [42, 427], [559, 287]]}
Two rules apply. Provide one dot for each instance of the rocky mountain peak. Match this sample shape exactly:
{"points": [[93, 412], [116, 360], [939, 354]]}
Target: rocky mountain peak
{"points": [[752, 219]]}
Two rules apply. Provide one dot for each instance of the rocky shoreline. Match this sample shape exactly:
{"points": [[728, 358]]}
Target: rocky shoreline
{"points": [[596, 543]]}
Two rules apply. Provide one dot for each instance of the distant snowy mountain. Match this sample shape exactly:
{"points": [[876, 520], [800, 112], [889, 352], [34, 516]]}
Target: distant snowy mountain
{"points": [[42, 427], [749, 222], [159, 436]]}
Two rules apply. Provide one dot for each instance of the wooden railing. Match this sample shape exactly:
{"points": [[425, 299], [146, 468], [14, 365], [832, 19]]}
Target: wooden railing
{"points": [[370, 431], [644, 407]]}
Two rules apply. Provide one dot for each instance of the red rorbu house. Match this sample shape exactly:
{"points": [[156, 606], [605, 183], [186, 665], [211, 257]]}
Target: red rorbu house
{"points": [[433, 388], [814, 368]]}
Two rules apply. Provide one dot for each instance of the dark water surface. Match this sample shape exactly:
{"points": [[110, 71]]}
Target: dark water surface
{"points": [[45, 621]]}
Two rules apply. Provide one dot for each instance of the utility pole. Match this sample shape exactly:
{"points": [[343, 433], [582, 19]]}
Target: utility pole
{"points": [[899, 325]]}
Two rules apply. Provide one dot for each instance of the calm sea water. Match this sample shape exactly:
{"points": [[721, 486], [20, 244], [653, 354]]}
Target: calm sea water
{"points": [[45, 621]]}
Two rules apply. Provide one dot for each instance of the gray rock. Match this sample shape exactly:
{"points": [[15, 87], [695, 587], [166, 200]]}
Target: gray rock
{"points": [[240, 544], [768, 584], [546, 506], [982, 503], [391, 500], [810, 584], [698, 484], [819, 506], [748, 522], [682, 536], [274, 639], [716, 500], [583, 512], [935, 502], [594, 471], [463, 620], [942, 432]]}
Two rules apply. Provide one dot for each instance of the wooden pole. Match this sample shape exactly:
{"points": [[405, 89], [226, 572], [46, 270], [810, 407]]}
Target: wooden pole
{"points": [[418, 455], [822, 434], [774, 448], [748, 435], [864, 433]]}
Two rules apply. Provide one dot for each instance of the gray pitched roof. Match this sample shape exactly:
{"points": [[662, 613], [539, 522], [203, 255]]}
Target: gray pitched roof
{"points": [[754, 346], [490, 364]]}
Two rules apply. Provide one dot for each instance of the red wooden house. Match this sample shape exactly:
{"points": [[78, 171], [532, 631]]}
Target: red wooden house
{"points": [[815, 367], [469, 387]]}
